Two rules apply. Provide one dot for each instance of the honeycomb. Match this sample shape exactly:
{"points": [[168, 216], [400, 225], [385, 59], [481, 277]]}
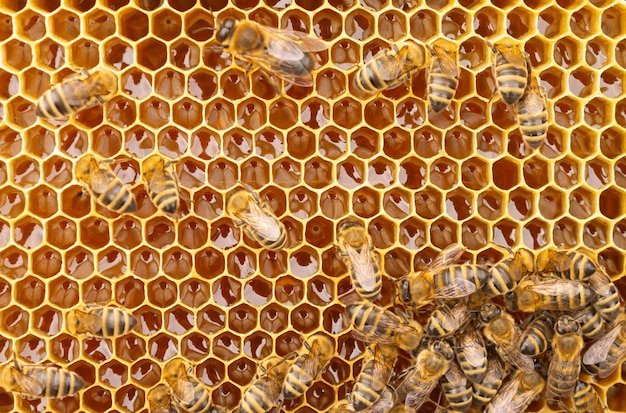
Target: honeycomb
{"points": [[419, 180]]}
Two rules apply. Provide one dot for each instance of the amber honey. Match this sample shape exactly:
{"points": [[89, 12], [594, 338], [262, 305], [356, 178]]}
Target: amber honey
{"points": [[419, 181]]}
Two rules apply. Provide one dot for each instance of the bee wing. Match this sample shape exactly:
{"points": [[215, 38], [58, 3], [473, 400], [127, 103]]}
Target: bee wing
{"points": [[535, 103], [99, 181], [415, 399], [448, 62], [364, 268], [474, 353], [456, 289], [303, 41], [184, 390], [448, 256], [599, 350], [504, 399], [370, 334], [600, 283], [513, 55], [23, 383], [311, 365], [553, 288]]}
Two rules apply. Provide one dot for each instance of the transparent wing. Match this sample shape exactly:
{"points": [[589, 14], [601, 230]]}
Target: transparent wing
{"points": [[183, 390], [23, 383], [456, 289], [600, 349]]}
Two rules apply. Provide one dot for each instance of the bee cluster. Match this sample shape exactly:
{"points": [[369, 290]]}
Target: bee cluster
{"points": [[549, 322]]}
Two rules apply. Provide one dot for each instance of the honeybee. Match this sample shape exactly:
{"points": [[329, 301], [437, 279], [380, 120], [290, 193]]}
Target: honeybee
{"points": [[33, 381], [99, 321], [586, 399], [517, 394], [161, 401], [532, 114], [607, 302], [590, 321], [445, 321], [456, 388], [76, 92], [284, 53], [537, 336], [565, 362], [188, 392], [256, 219], [265, 391], [536, 293], [443, 75], [607, 353], [384, 404], [162, 183], [501, 330], [500, 279], [102, 184], [308, 365], [510, 68], [471, 354], [575, 265], [441, 280], [484, 391], [355, 244], [391, 67], [375, 325], [374, 376], [432, 363]]}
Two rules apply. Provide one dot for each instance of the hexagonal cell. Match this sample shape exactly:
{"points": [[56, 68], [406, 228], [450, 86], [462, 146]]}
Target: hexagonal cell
{"points": [[31, 348], [454, 23], [178, 320], [242, 371], [596, 234], [130, 347], [611, 83], [17, 54], [429, 203], [130, 292], [381, 173], [14, 321], [392, 25], [424, 25], [412, 234], [597, 113], [226, 346], [517, 23], [396, 263], [475, 234], [64, 348], [379, 113], [459, 204], [20, 112], [581, 203], [305, 318], [113, 374], [163, 347], [443, 232], [149, 321], [597, 173], [162, 292], [31, 25], [360, 25], [30, 292], [397, 203], [145, 372], [320, 291], [242, 262]]}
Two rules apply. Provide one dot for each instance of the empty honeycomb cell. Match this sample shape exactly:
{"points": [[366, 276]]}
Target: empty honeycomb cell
{"points": [[347, 113], [424, 25], [365, 143], [242, 371], [332, 143], [129, 292], [459, 204], [611, 83], [269, 143], [65, 348], [31, 348], [582, 82], [17, 54], [302, 202], [475, 234], [226, 346], [506, 233], [535, 234], [63, 292], [220, 114], [330, 84], [566, 232], [327, 24], [397, 203], [392, 25], [242, 319], [162, 292], [381, 173], [144, 262], [596, 112], [396, 143], [595, 234], [396, 263], [30, 292], [50, 263], [550, 22], [139, 141], [443, 232], [28, 233], [597, 173], [566, 173], [43, 201], [20, 112], [163, 347], [411, 113], [301, 143], [79, 263], [15, 321], [94, 232], [148, 322], [12, 202], [160, 232], [429, 203], [238, 144], [359, 25], [412, 233], [51, 54], [130, 347], [521, 204], [113, 374], [350, 173], [581, 203], [366, 202], [517, 23], [552, 203], [304, 262], [345, 54], [31, 25], [443, 173], [178, 320], [145, 373], [305, 318], [255, 172], [383, 232], [379, 113], [242, 262]]}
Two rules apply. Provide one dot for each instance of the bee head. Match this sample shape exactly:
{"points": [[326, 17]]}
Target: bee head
{"points": [[225, 31]]}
